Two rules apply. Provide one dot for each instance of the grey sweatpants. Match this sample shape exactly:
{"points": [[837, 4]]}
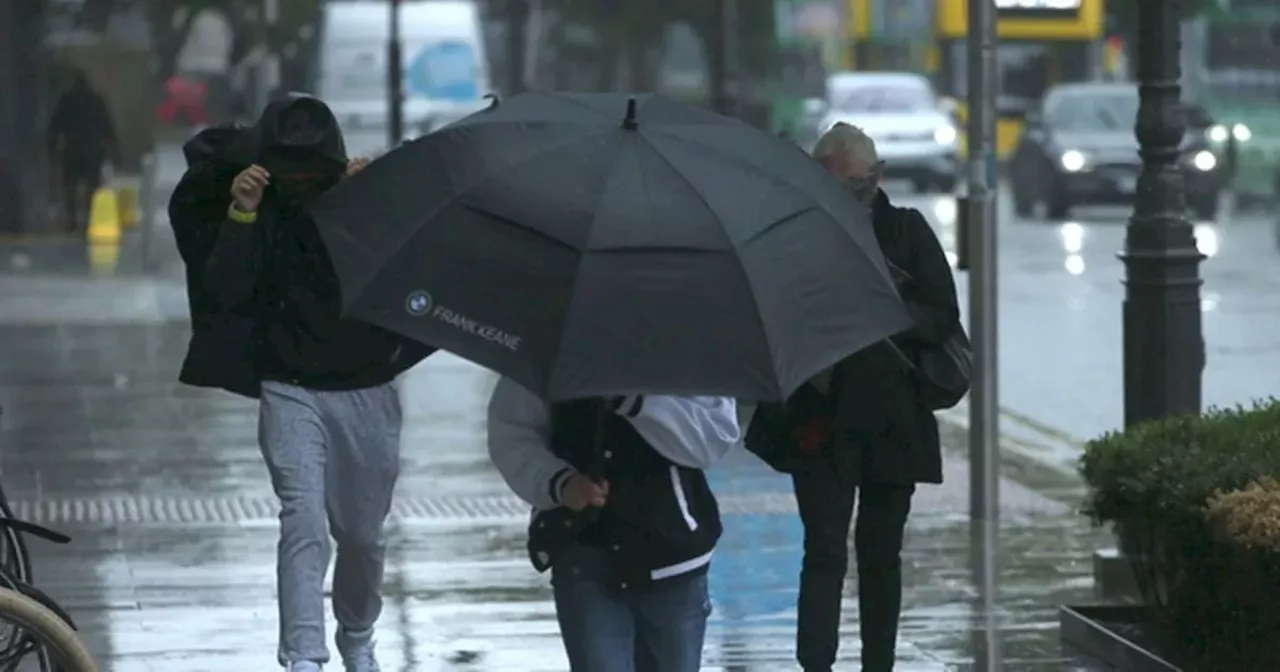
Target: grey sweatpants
{"points": [[333, 459]]}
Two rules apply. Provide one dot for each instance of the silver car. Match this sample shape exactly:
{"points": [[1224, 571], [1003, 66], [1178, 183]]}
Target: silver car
{"points": [[915, 137]]}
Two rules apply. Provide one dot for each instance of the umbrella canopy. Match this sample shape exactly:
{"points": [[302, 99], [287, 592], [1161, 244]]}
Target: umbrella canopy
{"points": [[589, 244]]}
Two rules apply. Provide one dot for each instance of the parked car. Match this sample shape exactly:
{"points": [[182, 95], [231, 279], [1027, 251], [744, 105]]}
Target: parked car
{"points": [[915, 136], [1079, 148]]}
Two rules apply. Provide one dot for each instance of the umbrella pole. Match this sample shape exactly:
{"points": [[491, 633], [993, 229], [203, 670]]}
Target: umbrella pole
{"points": [[595, 469]]}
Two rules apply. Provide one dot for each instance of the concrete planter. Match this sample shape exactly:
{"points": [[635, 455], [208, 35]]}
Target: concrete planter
{"points": [[1123, 637]]}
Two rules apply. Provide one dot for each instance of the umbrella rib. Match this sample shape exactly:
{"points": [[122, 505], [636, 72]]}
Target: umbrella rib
{"points": [[764, 327], [560, 95], [577, 274], [757, 169], [460, 192]]}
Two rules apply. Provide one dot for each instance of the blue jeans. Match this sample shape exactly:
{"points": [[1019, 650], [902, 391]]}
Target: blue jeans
{"points": [[658, 629]]}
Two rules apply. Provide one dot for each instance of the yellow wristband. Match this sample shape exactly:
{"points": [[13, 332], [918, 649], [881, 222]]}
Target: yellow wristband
{"points": [[236, 215]]}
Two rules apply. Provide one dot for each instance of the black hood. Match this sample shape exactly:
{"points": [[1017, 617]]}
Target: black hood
{"points": [[211, 143], [276, 129], [298, 142]]}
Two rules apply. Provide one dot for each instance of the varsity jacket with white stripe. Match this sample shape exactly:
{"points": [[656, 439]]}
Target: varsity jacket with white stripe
{"points": [[661, 521]]}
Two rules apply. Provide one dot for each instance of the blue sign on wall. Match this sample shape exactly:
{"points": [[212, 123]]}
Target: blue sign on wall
{"points": [[444, 71]]}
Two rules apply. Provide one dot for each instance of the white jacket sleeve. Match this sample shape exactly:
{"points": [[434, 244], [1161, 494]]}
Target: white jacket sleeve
{"points": [[519, 424], [692, 432]]}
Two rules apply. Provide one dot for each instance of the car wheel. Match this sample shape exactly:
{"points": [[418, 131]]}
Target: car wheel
{"points": [[1205, 206], [945, 183], [920, 185]]}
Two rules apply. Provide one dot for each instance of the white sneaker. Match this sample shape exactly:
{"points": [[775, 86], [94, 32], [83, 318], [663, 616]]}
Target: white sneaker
{"points": [[356, 649], [303, 666]]}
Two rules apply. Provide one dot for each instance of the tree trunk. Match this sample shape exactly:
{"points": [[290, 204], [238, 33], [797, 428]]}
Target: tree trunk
{"points": [[517, 20], [639, 76], [607, 68], [716, 48]]}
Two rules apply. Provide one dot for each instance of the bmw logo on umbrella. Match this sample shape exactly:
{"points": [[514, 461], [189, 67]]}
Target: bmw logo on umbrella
{"points": [[418, 303]]}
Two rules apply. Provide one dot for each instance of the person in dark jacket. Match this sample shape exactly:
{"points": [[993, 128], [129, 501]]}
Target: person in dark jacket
{"points": [[265, 323], [623, 517], [883, 440], [81, 141]]}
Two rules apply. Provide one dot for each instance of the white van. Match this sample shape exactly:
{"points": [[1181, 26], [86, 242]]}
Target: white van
{"points": [[446, 74]]}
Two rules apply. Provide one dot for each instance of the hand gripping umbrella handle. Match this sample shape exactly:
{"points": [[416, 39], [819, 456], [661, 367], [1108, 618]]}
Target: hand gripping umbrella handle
{"points": [[595, 465]]}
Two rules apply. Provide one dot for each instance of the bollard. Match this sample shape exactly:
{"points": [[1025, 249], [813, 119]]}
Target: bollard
{"points": [[104, 258], [104, 218], [962, 233], [127, 197]]}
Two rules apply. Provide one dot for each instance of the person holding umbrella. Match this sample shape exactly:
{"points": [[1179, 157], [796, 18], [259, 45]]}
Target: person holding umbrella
{"points": [[882, 438], [586, 246], [266, 324], [623, 517]]}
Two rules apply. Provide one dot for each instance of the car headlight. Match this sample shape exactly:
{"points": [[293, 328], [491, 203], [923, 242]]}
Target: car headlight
{"points": [[1241, 133], [945, 135], [1073, 161], [1204, 160], [1217, 133]]}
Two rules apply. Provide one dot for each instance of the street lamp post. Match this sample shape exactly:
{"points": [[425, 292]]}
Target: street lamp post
{"points": [[395, 77], [1163, 342]]}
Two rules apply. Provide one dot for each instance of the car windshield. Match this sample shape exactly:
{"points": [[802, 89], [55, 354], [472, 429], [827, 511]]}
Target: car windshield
{"points": [[881, 96], [1094, 112]]}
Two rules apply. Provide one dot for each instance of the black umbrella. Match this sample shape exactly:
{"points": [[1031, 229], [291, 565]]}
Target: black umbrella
{"points": [[591, 244]]}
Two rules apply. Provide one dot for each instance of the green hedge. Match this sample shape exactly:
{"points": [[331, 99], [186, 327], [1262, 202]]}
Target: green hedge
{"points": [[1183, 495]]}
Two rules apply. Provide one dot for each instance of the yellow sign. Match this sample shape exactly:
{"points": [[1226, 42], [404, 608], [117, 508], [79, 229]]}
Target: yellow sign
{"points": [[1008, 132], [1080, 20]]}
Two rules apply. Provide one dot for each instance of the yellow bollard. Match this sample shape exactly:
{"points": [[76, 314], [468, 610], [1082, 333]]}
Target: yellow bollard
{"points": [[104, 218], [104, 258], [127, 196]]}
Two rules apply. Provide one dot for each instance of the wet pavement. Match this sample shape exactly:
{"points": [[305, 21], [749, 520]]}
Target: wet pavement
{"points": [[171, 567], [1061, 298], [162, 486]]}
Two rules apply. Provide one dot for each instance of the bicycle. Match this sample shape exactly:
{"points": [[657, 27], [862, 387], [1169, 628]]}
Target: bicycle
{"points": [[31, 622]]}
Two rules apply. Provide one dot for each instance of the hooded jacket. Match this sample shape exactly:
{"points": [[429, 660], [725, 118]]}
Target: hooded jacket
{"points": [[264, 298]]}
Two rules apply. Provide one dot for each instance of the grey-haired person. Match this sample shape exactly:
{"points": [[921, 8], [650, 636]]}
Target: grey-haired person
{"points": [[883, 440]]}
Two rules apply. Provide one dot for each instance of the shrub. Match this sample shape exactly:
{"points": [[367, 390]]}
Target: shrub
{"points": [[1154, 484], [1246, 524]]}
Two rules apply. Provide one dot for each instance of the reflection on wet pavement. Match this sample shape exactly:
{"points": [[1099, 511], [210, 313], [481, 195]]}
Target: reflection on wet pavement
{"points": [[172, 564], [1061, 296]]}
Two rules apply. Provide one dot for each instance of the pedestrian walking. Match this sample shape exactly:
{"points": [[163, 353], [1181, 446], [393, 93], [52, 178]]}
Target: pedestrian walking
{"points": [[623, 517], [864, 433], [81, 139], [266, 324]]}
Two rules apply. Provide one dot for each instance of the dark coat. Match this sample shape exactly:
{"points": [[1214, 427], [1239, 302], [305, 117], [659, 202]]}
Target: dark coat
{"points": [[880, 429], [224, 261], [81, 122]]}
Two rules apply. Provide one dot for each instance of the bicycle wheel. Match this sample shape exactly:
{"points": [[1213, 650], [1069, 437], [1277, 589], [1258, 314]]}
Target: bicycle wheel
{"points": [[13, 548], [48, 630]]}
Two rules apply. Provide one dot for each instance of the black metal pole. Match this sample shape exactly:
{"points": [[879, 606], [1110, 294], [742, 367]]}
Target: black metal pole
{"points": [[1163, 341], [395, 78]]}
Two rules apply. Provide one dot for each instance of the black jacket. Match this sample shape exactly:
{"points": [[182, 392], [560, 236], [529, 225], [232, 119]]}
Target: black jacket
{"points": [[661, 522], [81, 122], [247, 321], [880, 427]]}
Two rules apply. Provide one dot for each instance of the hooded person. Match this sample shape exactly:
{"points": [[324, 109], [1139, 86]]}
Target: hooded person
{"points": [[266, 323], [81, 141]]}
